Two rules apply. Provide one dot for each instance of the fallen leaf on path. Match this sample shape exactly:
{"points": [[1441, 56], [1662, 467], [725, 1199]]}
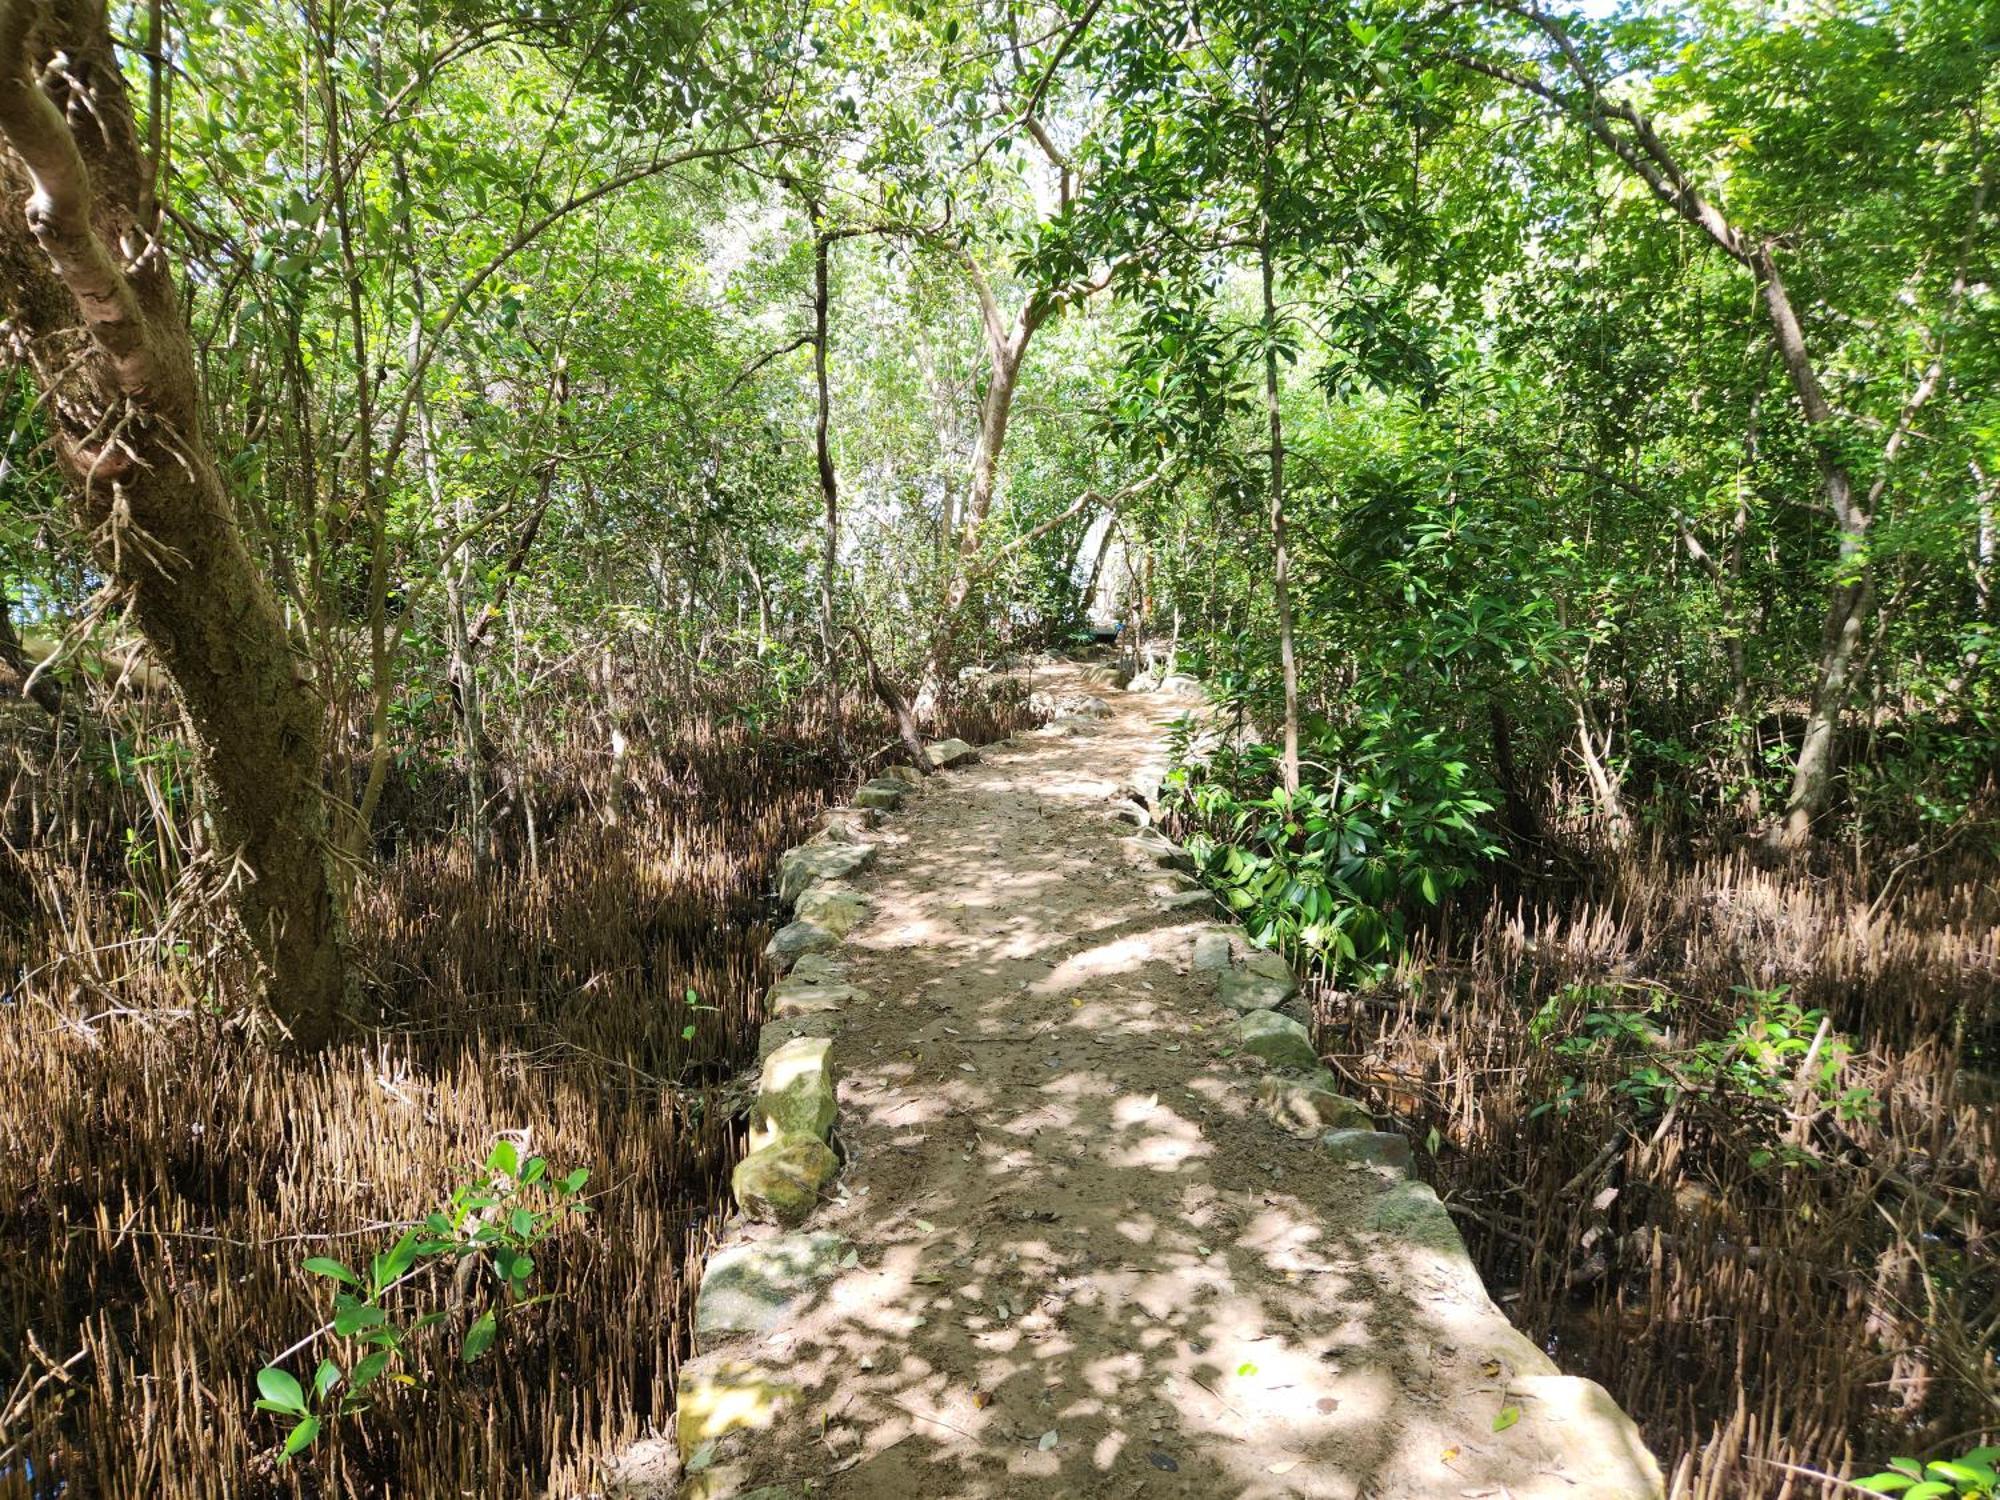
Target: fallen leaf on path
{"points": [[1506, 1417], [1284, 1466], [1049, 1440], [1163, 1461]]}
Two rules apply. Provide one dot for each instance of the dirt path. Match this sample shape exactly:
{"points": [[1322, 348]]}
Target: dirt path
{"points": [[1075, 1257]]}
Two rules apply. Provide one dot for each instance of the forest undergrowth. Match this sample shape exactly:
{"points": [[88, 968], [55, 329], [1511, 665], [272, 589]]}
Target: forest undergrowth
{"points": [[582, 993], [1741, 1163], [1720, 1130]]}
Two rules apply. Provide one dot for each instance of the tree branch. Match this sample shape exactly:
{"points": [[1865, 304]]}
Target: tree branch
{"points": [[60, 208]]}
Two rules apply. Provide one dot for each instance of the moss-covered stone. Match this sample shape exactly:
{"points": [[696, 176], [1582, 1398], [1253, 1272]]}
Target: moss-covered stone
{"points": [[799, 996], [1306, 1107], [1211, 951], [808, 863], [1369, 1147], [1244, 992], [846, 825], [947, 753], [1272, 968], [795, 1093], [1278, 1040], [795, 938], [837, 909], [721, 1396], [749, 1287], [781, 1182]]}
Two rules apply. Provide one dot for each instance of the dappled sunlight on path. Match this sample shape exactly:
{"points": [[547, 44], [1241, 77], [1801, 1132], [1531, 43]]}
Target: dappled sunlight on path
{"points": [[1079, 1261]]}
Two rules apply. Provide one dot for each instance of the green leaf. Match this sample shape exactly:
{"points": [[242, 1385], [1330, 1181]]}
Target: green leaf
{"points": [[1506, 1417], [325, 1378], [575, 1181], [281, 1389], [504, 1159], [319, 1265], [479, 1337], [349, 1321], [299, 1437], [367, 1370]]}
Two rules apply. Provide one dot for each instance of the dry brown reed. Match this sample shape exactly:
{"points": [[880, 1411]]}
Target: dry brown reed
{"points": [[590, 987], [1769, 1287]]}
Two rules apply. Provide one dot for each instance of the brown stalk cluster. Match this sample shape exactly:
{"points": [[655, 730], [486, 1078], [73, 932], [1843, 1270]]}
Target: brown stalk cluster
{"points": [[167, 1169], [1771, 1286]]}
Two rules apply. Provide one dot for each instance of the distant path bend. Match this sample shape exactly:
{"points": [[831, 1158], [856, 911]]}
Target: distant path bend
{"points": [[1076, 1259]]}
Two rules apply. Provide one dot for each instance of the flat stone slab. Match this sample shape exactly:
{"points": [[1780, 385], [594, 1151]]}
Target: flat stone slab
{"points": [[908, 776], [795, 938], [1150, 846], [837, 908], [720, 1396], [948, 753], [1211, 951], [1410, 1214], [846, 824], [748, 1288], [1243, 991], [1306, 1107], [1571, 1429], [1278, 1040], [884, 795], [1369, 1148], [799, 996], [1187, 900], [801, 867]]}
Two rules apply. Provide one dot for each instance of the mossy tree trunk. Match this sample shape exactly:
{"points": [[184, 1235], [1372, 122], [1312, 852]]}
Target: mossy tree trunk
{"points": [[89, 294]]}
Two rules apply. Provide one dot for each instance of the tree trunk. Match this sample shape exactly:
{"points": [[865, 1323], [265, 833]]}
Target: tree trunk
{"points": [[1517, 810], [126, 420], [1986, 547], [1853, 593], [996, 407], [829, 488], [1281, 567]]}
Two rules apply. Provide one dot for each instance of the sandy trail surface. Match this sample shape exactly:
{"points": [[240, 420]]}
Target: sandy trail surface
{"points": [[1075, 1258]]}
